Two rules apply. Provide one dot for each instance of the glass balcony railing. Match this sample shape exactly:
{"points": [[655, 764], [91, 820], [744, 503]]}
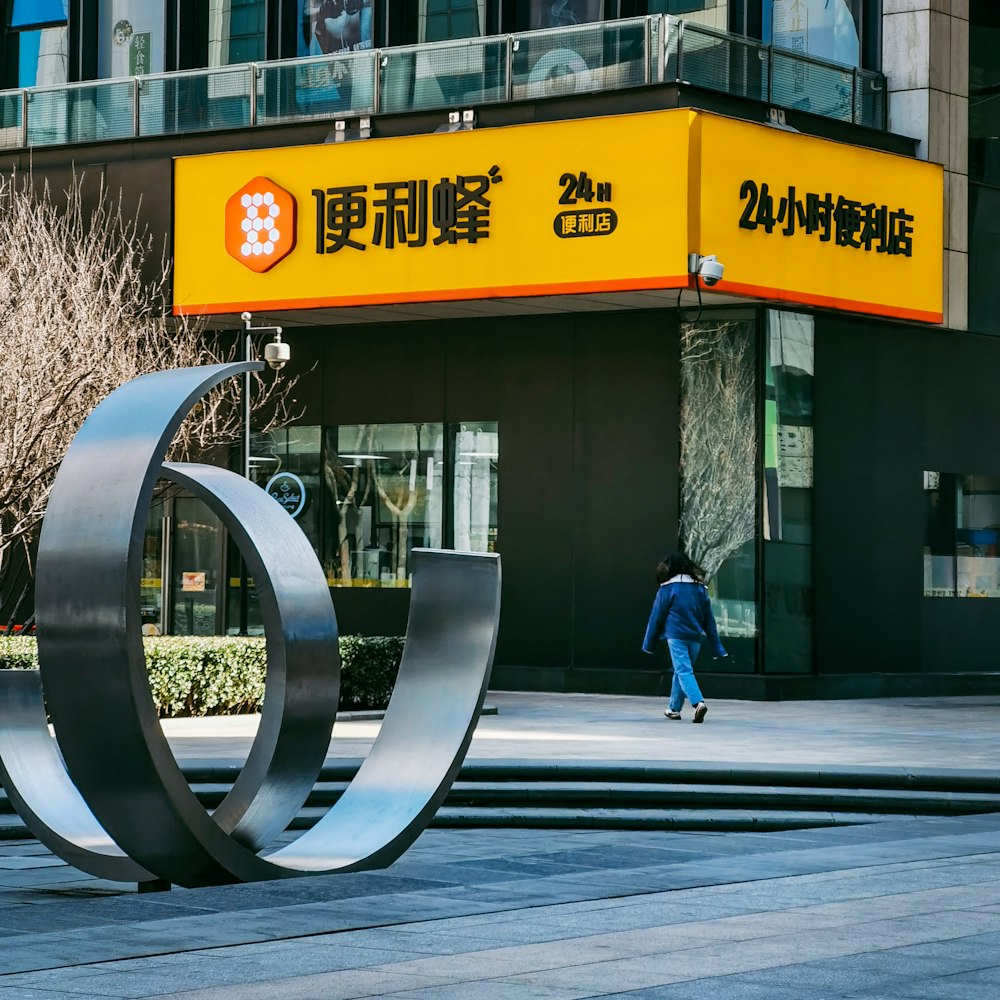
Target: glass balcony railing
{"points": [[531, 65]]}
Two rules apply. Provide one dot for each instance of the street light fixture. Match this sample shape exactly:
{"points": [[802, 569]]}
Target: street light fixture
{"points": [[276, 354]]}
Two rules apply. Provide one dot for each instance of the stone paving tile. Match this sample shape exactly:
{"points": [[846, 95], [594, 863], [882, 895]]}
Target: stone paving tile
{"points": [[485, 900], [716, 988], [210, 968], [960, 986], [328, 986]]}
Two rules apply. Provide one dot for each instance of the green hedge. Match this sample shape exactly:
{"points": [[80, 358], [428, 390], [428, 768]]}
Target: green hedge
{"points": [[223, 675]]}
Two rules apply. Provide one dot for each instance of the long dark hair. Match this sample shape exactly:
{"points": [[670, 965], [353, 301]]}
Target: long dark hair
{"points": [[676, 564]]}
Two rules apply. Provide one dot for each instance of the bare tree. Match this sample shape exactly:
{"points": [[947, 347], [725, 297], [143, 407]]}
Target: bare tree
{"points": [[718, 441], [78, 319]]}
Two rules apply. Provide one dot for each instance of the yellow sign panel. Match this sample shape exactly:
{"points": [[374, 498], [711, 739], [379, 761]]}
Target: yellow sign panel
{"points": [[811, 221], [579, 206], [590, 205]]}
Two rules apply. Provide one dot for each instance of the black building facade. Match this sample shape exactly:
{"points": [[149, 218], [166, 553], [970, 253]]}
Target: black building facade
{"points": [[578, 433]]}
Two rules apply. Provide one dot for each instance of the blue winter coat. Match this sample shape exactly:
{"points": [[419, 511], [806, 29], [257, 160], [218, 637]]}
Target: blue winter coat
{"points": [[682, 610]]}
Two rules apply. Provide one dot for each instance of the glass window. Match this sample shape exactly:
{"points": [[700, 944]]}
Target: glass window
{"points": [[962, 536], [131, 37], [335, 26], [28, 13], [708, 12], [564, 13], [826, 29], [236, 31], [787, 482], [42, 41], [42, 57], [476, 450], [718, 473], [444, 19], [386, 484], [197, 562], [366, 494], [151, 587], [287, 463]]}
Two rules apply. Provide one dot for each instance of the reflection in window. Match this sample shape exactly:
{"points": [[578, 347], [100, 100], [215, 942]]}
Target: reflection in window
{"points": [[131, 37], [42, 41], [962, 535], [565, 13], [825, 29], [329, 26], [235, 31], [444, 19], [151, 584], [196, 560], [367, 494], [29, 13], [787, 482], [382, 479], [476, 456], [718, 460], [287, 463]]}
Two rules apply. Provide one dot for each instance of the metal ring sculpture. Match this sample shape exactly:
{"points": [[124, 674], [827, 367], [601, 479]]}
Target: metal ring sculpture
{"points": [[124, 810]]}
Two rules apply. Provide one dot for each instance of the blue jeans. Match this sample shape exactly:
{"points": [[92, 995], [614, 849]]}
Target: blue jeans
{"points": [[682, 655]]}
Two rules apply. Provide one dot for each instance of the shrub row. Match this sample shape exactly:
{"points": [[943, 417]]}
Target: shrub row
{"points": [[224, 675]]}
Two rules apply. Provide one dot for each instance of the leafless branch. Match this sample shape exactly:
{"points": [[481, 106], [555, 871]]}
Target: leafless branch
{"points": [[78, 319]]}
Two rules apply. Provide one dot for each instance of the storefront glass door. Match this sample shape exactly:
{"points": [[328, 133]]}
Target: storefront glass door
{"points": [[196, 564]]}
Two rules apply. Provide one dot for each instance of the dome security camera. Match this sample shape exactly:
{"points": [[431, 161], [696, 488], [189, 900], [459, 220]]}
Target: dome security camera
{"points": [[710, 270], [277, 353]]}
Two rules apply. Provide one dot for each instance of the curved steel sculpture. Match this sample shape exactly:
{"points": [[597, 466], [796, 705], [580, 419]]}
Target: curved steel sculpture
{"points": [[124, 810]]}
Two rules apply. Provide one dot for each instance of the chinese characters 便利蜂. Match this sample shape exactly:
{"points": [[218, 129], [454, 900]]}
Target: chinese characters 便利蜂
{"points": [[403, 212]]}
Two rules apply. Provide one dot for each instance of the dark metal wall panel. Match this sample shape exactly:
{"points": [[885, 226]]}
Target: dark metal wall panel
{"points": [[587, 409], [520, 373], [626, 450], [891, 402]]}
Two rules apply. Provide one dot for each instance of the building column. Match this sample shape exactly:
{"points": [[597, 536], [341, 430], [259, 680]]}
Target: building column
{"points": [[925, 56]]}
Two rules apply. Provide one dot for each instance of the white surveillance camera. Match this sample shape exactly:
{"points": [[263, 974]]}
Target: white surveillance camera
{"points": [[710, 270], [276, 354]]}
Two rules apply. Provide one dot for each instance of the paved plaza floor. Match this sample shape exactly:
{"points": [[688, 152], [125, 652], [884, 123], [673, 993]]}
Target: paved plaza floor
{"points": [[908, 908]]}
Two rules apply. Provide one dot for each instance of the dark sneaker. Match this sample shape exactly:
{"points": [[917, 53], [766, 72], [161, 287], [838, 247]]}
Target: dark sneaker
{"points": [[700, 711], [671, 714]]}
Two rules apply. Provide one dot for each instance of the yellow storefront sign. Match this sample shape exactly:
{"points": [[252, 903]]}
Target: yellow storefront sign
{"points": [[583, 206], [588, 205], [810, 221]]}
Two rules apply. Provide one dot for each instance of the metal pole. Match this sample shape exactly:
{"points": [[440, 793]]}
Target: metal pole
{"points": [[679, 71], [647, 46], [254, 76], [245, 449]]}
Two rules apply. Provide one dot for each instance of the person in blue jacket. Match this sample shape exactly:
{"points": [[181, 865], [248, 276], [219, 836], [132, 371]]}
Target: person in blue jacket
{"points": [[682, 614]]}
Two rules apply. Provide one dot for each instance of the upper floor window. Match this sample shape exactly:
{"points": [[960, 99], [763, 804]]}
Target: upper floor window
{"points": [[236, 31], [443, 19], [131, 39], [37, 42], [842, 31], [327, 26], [564, 13]]}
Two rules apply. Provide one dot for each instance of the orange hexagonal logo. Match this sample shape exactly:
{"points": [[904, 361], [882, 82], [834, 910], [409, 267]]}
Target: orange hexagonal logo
{"points": [[260, 224]]}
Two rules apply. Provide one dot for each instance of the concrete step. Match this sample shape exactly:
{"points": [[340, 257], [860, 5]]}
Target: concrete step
{"points": [[640, 795], [629, 795]]}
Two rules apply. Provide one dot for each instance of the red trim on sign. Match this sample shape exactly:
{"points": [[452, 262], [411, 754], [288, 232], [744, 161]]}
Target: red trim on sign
{"points": [[564, 288], [449, 295], [830, 302]]}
